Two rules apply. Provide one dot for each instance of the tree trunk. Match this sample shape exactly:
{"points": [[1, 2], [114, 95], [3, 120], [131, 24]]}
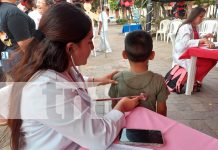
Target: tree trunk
{"points": [[164, 10], [156, 14]]}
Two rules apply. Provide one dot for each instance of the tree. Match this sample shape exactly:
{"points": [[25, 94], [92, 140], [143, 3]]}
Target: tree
{"points": [[114, 6]]}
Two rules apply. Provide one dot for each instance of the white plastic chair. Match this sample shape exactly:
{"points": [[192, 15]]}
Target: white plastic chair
{"points": [[201, 27], [174, 25], [211, 10], [209, 26], [172, 38], [163, 29]]}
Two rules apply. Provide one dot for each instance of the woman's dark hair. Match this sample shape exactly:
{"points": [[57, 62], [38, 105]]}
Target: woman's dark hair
{"points": [[193, 15], [62, 23]]}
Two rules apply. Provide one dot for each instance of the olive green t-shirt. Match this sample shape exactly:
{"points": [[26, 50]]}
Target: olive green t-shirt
{"points": [[131, 84]]}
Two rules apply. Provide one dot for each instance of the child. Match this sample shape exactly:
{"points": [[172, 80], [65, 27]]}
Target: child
{"points": [[138, 50]]}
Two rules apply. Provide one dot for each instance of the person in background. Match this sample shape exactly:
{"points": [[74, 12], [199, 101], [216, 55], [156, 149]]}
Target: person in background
{"points": [[126, 6], [26, 6], [15, 29], [94, 17], [107, 11], [61, 43], [2, 76], [216, 12], [188, 36], [103, 31], [3, 121], [179, 9], [41, 7], [137, 80]]}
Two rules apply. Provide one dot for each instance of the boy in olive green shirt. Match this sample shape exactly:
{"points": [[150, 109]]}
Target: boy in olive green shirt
{"points": [[138, 50]]}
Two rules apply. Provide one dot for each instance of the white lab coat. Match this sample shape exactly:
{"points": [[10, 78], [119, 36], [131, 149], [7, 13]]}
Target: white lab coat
{"points": [[58, 117], [184, 40]]}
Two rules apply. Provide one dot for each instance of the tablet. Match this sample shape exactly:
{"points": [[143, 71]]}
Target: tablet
{"points": [[141, 137]]}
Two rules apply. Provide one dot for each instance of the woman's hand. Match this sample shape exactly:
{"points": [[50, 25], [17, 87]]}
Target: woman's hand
{"points": [[207, 42], [127, 104], [209, 35], [210, 44], [106, 79]]}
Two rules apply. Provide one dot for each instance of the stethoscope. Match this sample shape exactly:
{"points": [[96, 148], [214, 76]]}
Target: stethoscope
{"points": [[77, 76]]}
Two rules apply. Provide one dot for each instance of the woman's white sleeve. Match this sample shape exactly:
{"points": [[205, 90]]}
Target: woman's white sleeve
{"points": [[184, 40], [71, 116], [86, 78], [4, 100]]}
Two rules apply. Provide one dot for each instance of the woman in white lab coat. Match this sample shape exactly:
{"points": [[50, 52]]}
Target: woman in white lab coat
{"points": [[52, 109], [188, 36]]}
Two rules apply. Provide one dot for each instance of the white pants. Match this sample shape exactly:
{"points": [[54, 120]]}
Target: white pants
{"points": [[104, 44]]}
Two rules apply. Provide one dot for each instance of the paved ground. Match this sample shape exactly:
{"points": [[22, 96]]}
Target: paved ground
{"points": [[199, 111]]}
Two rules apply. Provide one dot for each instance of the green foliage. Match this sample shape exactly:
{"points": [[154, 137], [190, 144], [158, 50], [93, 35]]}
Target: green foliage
{"points": [[200, 2], [95, 5], [140, 3], [121, 21], [114, 4]]}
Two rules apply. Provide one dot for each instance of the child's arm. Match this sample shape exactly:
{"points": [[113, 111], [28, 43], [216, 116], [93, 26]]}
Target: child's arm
{"points": [[162, 96], [162, 108]]}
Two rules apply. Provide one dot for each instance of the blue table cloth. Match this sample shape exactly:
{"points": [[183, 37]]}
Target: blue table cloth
{"points": [[131, 27]]}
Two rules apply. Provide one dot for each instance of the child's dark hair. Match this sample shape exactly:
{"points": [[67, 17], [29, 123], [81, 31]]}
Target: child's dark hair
{"points": [[138, 46]]}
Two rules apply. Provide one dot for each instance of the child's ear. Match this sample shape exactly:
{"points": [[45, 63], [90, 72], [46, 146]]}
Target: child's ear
{"points": [[124, 54], [151, 57]]}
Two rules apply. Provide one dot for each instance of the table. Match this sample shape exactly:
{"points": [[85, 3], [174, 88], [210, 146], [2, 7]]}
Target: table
{"points": [[131, 27], [176, 135], [193, 53]]}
